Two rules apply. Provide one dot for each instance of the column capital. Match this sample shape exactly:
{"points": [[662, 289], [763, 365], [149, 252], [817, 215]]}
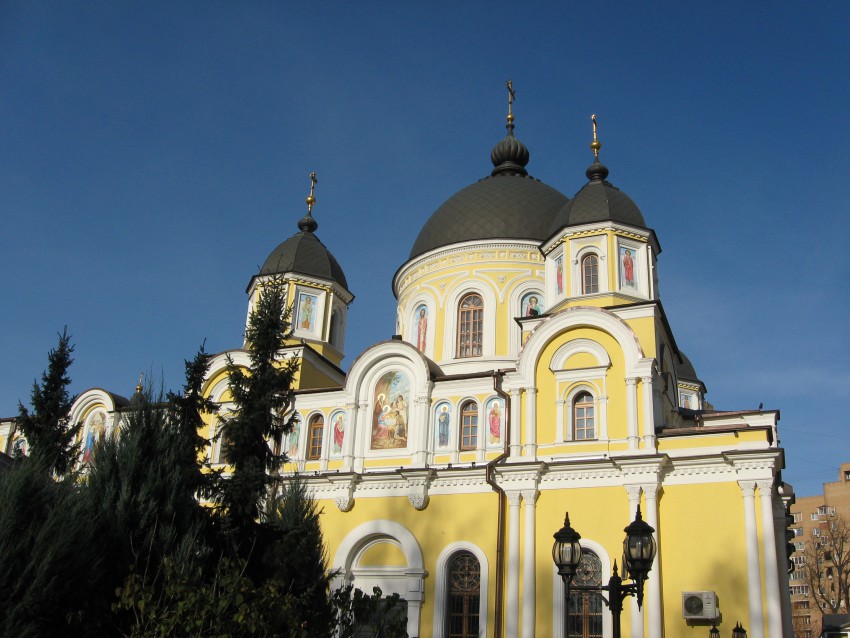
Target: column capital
{"points": [[651, 490], [630, 381], [748, 488], [765, 487], [633, 491], [530, 496], [531, 390], [514, 498], [515, 392]]}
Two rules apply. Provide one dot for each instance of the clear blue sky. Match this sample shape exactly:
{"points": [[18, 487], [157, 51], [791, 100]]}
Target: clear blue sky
{"points": [[152, 154]]}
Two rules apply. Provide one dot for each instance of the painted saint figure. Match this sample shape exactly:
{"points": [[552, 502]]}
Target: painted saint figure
{"points": [[306, 313], [339, 432], [628, 269], [559, 275], [443, 422], [421, 329], [494, 419], [293, 439], [533, 308], [95, 434]]}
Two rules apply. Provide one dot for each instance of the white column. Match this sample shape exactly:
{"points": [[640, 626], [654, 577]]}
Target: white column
{"points": [[516, 425], [529, 583], [563, 433], [531, 422], [634, 613], [756, 628], [648, 417], [631, 413], [422, 408], [348, 440], [653, 585], [512, 611], [771, 568]]}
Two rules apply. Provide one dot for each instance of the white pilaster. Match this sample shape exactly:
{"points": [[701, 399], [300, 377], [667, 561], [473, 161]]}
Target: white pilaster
{"points": [[756, 629], [771, 569], [422, 408], [516, 425], [648, 416], [530, 422], [653, 585], [529, 583], [563, 433], [512, 615], [634, 613], [631, 413]]}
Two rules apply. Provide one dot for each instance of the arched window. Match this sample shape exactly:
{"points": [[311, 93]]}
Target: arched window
{"points": [[589, 274], [469, 426], [584, 418], [464, 593], [333, 337], [314, 437], [470, 323], [585, 617]]}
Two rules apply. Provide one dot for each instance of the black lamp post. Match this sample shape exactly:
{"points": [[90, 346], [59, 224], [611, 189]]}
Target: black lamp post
{"points": [[739, 632], [714, 632], [638, 554]]}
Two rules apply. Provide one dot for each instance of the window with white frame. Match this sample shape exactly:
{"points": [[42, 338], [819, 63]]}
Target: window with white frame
{"points": [[463, 596], [470, 326], [589, 274], [584, 417]]}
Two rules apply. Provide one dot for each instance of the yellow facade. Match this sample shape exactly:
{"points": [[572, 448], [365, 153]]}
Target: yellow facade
{"points": [[533, 373]]}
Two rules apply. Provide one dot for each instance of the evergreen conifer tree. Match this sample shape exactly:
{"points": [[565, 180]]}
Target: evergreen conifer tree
{"points": [[51, 439], [251, 435]]}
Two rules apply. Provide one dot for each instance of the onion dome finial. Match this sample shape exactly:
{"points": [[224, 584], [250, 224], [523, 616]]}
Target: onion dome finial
{"points": [[596, 171], [307, 224], [509, 156]]}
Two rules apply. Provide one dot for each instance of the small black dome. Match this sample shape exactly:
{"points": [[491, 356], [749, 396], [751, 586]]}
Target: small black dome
{"points": [[303, 253], [597, 201], [510, 204], [685, 370]]}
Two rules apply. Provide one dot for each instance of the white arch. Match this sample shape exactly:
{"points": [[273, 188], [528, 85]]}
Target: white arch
{"points": [[576, 317], [441, 591], [593, 348], [407, 581], [559, 608]]}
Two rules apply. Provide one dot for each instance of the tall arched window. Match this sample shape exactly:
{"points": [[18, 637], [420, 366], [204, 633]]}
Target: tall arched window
{"points": [[584, 417], [585, 617], [469, 426], [589, 274], [464, 594], [470, 322], [314, 437]]}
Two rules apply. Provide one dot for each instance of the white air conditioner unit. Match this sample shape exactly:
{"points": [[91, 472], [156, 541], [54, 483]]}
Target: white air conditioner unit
{"points": [[699, 605]]}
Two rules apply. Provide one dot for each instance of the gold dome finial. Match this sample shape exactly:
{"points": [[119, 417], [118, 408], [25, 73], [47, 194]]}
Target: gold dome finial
{"points": [[139, 386], [595, 145], [511, 97], [310, 198]]}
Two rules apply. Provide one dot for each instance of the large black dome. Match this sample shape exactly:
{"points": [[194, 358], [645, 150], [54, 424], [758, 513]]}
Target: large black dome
{"points": [[303, 253], [510, 204]]}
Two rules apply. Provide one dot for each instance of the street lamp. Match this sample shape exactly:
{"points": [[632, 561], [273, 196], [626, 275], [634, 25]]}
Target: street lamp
{"points": [[714, 632], [638, 554], [739, 632]]}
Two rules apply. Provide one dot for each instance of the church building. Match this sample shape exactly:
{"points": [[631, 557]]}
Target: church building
{"points": [[533, 373]]}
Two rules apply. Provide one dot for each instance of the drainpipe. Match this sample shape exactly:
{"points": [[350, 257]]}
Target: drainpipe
{"points": [[500, 525]]}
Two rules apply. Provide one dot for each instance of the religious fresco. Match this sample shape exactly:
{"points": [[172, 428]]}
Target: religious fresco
{"points": [[94, 433], [628, 267], [390, 411], [495, 411], [292, 439], [338, 432], [443, 424], [421, 315], [532, 304], [19, 447], [559, 275], [307, 308], [690, 402]]}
